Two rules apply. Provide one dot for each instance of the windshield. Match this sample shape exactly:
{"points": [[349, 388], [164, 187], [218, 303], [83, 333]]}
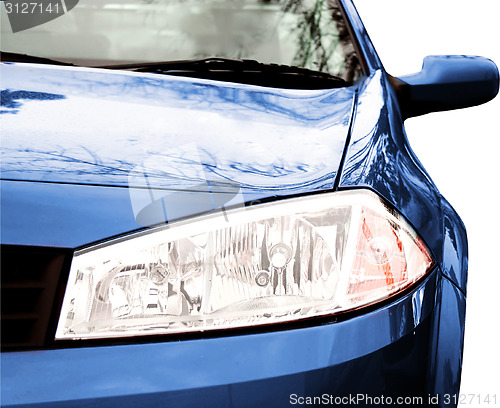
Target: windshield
{"points": [[303, 33]]}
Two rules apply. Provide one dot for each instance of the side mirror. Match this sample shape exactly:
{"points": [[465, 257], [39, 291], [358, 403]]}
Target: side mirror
{"points": [[446, 82]]}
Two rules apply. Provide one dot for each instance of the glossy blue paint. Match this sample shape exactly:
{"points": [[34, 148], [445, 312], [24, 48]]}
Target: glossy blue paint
{"points": [[368, 52], [379, 157], [201, 136], [168, 132], [455, 249], [448, 82], [63, 215], [243, 368], [73, 216], [445, 360], [171, 147]]}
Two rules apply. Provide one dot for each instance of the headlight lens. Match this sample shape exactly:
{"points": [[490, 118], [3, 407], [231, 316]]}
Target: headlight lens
{"points": [[276, 262]]}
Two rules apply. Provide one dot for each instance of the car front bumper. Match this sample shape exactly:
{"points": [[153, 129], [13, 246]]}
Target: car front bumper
{"points": [[389, 352]]}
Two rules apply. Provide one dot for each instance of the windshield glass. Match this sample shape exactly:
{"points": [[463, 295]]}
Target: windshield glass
{"points": [[303, 33]]}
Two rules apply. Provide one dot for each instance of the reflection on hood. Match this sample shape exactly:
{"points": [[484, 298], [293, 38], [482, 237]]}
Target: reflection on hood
{"points": [[89, 126]]}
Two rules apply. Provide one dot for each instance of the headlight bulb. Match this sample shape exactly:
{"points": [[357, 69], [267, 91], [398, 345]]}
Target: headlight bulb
{"points": [[280, 254], [263, 278]]}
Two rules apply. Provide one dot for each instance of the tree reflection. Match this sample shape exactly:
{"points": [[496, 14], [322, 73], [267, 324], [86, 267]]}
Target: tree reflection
{"points": [[317, 38], [304, 33], [11, 100]]}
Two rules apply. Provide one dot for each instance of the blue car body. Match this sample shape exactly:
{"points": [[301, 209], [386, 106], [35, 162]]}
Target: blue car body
{"points": [[70, 144]]}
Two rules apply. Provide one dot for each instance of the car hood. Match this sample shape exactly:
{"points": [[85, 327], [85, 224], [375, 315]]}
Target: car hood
{"points": [[135, 149]]}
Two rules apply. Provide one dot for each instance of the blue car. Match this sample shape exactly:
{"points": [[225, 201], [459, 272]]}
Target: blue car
{"points": [[214, 204]]}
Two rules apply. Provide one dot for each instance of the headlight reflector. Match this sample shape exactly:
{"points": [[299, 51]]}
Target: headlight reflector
{"points": [[276, 262]]}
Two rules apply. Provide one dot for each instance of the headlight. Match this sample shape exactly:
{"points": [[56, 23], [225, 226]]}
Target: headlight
{"points": [[269, 263]]}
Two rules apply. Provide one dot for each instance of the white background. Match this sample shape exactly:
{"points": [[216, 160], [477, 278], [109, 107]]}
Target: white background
{"points": [[459, 149]]}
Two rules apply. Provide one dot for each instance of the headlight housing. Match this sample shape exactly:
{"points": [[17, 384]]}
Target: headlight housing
{"points": [[276, 262]]}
